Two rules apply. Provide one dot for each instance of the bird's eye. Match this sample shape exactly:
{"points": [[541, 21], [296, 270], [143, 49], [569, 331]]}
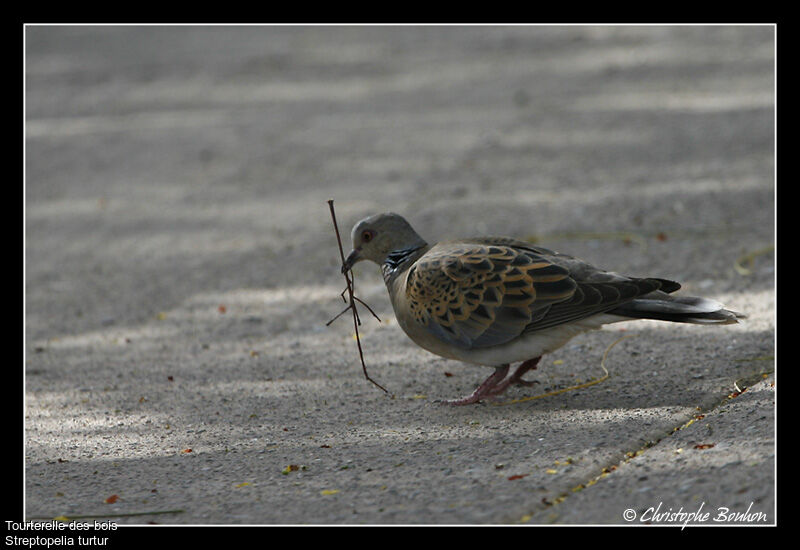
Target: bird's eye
{"points": [[367, 235]]}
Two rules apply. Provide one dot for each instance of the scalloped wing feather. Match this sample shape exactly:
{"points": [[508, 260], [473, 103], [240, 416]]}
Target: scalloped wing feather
{"points": [[480, 295], [489, 291]]}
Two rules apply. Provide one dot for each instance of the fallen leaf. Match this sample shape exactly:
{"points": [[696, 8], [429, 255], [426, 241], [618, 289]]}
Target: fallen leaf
{"points": [[222, 308], [112, 499], [515, 477], [704, 446], [243, 484], [326, 492]]}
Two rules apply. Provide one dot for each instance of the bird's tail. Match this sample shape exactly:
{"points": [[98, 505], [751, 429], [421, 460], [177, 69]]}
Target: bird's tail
{"points": [[678, 309]]}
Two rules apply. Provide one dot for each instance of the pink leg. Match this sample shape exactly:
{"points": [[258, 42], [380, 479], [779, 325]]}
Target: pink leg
{"points": [[484, 390], [495, 385], [516, 377]]}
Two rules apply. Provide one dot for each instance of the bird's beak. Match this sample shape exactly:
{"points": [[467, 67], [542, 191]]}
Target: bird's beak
{"points": [[352, 258]]}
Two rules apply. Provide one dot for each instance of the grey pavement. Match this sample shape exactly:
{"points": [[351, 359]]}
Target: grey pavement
{"points": [[181, 266]]}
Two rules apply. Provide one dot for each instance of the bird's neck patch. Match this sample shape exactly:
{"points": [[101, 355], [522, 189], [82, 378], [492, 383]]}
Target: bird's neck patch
{"points": [[397, 258]]}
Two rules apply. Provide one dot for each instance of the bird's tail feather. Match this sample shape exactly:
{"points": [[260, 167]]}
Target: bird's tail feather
{"points": [[679, 309]]}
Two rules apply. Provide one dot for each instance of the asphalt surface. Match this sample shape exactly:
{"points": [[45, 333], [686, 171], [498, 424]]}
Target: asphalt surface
{"points": [[181, 267]]}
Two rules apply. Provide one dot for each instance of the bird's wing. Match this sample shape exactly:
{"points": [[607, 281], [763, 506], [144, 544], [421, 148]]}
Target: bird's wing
{"points": [[487, 292]]}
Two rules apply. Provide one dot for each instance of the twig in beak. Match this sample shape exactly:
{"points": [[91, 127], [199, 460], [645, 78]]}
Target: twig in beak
{"points": [[353, 299]]}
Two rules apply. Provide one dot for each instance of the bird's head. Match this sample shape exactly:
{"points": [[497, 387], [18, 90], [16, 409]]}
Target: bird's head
{"points": [[377, 236]]}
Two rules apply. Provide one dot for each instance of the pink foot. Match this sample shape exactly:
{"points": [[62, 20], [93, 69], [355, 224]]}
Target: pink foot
{"points": [[495, 385], [484, 390]]}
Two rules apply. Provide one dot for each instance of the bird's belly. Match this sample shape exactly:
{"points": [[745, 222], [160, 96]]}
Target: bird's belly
{"points": [[522, 348]]}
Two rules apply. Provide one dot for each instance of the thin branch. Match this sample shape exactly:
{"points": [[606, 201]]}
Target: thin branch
{"points": [[345, 310], [353, 299], [102, 516], [363, 303]]}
